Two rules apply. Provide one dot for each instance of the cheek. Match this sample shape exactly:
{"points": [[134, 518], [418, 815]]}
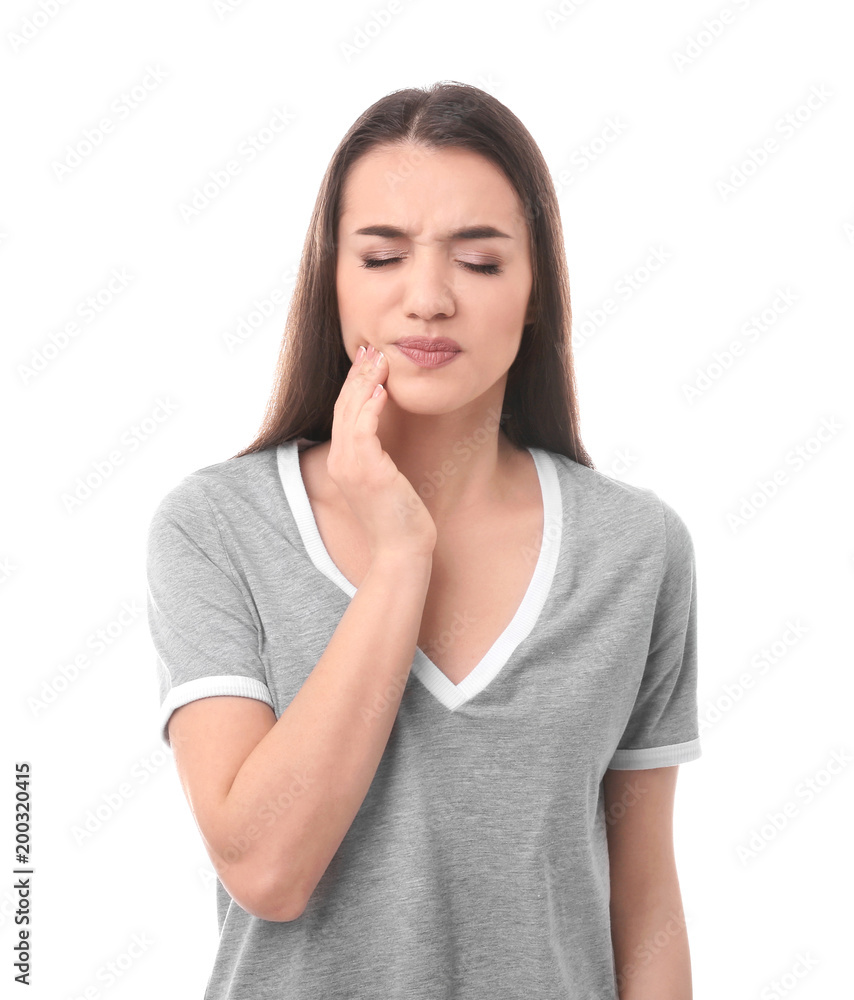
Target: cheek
{"points": [[355, 297], [348, 297], [504, 303]]}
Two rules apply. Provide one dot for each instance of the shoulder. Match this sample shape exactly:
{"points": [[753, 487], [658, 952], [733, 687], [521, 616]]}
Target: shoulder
{"points": [[618, 507], [217, 487], [604, 495]]}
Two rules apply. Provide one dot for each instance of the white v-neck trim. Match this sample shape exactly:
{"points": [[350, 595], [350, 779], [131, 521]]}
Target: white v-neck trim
{"points": [[451, 695]]}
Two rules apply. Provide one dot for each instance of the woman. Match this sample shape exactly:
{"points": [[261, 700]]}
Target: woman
{"points": [[427, 675]]}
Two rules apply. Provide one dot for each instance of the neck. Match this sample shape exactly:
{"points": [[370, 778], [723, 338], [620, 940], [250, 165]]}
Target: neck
{"points": [[454, 466], [455, 463]]}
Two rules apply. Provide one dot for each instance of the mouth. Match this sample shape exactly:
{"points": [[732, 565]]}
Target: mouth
{"points": [[428, 353], [443, 344]]}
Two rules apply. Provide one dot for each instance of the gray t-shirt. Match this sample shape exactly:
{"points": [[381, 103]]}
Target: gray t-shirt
{"points": [[477, 865]]}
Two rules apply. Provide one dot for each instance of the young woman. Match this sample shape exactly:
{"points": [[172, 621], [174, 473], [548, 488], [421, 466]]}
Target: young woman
{"points": [[428, 675]]}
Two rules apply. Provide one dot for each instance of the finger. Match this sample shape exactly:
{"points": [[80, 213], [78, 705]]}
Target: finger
{"points": [[364, 441], [364, 410], [356, 363], [359, 385], [356, 391]]}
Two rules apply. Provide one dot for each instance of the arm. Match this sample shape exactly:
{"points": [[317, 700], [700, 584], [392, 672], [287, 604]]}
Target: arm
{"points": [[274, 799], [647, 922]]}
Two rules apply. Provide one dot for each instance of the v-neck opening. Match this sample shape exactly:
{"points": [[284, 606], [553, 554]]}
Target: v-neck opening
{"points": [[451, 695]]}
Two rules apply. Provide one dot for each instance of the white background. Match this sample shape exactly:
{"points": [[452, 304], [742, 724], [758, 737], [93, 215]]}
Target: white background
{"points": [[691, 105]]}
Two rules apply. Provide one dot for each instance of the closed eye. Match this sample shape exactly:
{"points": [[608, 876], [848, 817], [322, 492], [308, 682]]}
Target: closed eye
{"points": [[372, 262]]}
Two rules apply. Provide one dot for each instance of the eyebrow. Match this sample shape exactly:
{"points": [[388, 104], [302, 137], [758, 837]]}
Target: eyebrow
{"points": [[467, 233]]}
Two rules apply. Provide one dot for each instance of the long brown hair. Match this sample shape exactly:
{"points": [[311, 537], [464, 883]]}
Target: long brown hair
{"points": [[540, 404]]}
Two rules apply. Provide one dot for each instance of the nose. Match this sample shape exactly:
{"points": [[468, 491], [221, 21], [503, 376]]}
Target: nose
{"points": [[428, 291]]}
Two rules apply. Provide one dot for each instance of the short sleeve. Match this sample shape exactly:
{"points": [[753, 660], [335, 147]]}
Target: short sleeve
{"points": [[663, 727], [201, 623]]}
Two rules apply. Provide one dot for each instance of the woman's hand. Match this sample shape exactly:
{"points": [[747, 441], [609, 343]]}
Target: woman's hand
{"points": [[381, 497]]}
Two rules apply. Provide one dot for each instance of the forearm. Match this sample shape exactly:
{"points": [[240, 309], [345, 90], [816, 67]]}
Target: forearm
{"points": [[651, 952], [311, 772]]}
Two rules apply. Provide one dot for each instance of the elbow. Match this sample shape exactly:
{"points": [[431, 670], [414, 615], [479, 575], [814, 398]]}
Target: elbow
{"points": [[258, 879], [262, 896], [276, 906], [274, 910]]}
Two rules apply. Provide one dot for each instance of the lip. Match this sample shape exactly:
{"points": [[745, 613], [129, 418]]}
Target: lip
{"points": [[428, 359], [443, 344]]}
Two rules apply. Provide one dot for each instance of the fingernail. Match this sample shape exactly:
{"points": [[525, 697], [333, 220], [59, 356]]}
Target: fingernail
{"points": [[359, 355]]}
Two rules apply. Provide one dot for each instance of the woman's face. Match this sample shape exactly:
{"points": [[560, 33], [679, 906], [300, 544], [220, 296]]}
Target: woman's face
{"points": [[428, 285]]}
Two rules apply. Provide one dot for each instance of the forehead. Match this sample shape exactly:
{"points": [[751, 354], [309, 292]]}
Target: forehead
{"points": [[414, 187]]}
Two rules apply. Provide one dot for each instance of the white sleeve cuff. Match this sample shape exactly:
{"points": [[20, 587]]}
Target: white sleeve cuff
{"points": [[675, 753], [204, 687]]}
